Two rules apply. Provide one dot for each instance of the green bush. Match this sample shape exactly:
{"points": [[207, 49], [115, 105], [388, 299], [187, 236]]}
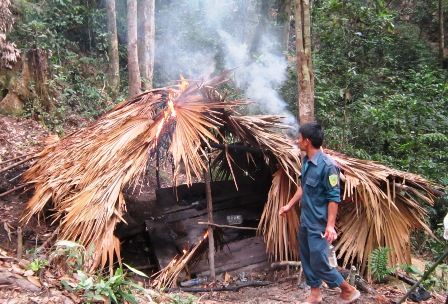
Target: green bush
{"points": [[379, 264]]}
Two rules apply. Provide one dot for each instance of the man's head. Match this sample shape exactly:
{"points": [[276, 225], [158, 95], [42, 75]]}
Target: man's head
{"points": [[311, 136]]}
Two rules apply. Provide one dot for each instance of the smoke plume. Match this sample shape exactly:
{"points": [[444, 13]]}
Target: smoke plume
{"points": [[199, 37]]}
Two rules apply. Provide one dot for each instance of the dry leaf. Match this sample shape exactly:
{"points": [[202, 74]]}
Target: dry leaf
{"points": [[16, 269], [8, 228], [227, 277], [34, 280]]}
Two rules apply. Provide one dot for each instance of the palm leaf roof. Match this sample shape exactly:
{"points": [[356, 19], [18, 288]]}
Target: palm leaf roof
{"points": [[82, 176]]}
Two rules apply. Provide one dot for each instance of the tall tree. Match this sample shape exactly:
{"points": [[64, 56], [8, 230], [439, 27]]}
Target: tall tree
{"points": [[146, 42], [305, 76], [114, 73], [8, 51], [263, 15], [133, 68], [441, 33]]}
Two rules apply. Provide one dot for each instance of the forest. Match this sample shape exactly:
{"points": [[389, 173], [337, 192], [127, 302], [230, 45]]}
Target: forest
{"points": [[373, 73]]}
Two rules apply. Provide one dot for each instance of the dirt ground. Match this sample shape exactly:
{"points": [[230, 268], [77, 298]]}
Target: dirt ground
{"points": [[24, 137]]}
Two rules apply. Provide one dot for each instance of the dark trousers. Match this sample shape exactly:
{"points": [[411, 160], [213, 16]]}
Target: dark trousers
{"points": [[314, 257]]}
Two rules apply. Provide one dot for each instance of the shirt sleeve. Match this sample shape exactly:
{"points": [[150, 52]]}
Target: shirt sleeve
{"points": [[332, 184]]}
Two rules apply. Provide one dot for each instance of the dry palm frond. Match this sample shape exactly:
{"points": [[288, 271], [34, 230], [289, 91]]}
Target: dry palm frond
{"points": [[263, 131], [280, 231], [167, 277], [385, 206], [84, 174]]}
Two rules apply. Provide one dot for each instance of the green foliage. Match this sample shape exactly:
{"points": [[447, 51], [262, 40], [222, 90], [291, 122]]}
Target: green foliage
{"points": [[37, 264], [74, 32], [378, 90], [182, 299], [116, 288], [436, 281], [380, 93], [379, 264]]}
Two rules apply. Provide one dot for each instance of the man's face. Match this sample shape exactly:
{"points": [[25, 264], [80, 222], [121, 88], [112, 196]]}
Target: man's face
{"points": [[303, 143]]}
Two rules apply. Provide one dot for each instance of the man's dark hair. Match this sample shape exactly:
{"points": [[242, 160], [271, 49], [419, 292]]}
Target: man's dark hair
{"points": [[314, 132]]}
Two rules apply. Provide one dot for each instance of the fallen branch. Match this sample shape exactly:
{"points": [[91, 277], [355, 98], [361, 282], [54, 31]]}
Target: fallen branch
{"points": [[227, 226], [15, 158], [17, 164], [14, 280], [13, 190], [286, 263], [226, 288]]}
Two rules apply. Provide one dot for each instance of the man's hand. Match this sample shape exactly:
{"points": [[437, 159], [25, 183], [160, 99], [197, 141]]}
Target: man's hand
{"points": [[330, 234], [284, 210]]}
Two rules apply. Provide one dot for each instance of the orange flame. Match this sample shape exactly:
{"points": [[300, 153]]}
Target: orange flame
{"points": [[160, 127], [183, 83], [170, 111], [205, 235], [184, 251], [171, 108]]}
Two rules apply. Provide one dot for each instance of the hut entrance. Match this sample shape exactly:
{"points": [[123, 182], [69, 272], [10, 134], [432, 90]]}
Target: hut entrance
{"points": [[172, 222]]}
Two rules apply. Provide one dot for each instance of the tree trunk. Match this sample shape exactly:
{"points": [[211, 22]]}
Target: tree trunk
{"points": [[133, 68], [146, 42], [441, 34], [284, 17], [114, 73], [261, 27], [305, 75]]}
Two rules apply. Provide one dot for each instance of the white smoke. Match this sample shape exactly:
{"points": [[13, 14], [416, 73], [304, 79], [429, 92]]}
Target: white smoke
{"points": [[259, 74]]}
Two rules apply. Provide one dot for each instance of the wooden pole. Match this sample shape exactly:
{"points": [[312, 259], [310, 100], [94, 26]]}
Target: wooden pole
{"points": [[19, 243], [157, 166], [211, 241], [227, 226]]}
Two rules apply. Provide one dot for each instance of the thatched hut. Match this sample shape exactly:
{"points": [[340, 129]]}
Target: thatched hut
{"points": [[82, 176]]}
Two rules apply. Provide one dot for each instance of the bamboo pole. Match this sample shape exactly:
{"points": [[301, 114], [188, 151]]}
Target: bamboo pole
{"points": [[211, 240], [227, 226], [425, 275]]}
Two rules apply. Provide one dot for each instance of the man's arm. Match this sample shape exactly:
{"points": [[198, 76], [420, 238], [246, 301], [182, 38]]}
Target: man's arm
{"points": [[330, 232], [295, 199], [333, 196]]}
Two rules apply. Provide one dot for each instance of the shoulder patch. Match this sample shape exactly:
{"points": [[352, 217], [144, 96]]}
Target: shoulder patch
{"points": [[333, 179]]}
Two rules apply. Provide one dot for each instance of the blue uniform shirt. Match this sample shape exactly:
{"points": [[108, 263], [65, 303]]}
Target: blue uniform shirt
{"points": [[320, 185]]}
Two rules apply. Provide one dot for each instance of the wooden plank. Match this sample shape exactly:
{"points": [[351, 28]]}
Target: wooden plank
{"points": [[238, 203], [188, 230], [236, 255]]}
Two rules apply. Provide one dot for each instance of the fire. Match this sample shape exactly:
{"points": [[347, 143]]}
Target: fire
{"points": [[171, 108], [205, 235], [184, 251], [170, 111], [183, 83], [160, 127]]}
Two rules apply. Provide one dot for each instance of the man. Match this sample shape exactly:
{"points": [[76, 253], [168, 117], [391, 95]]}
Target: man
{"points": [[320, 195]]}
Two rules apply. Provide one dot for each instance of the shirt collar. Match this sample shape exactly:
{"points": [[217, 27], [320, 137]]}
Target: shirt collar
{"points": [[316, 158]]}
